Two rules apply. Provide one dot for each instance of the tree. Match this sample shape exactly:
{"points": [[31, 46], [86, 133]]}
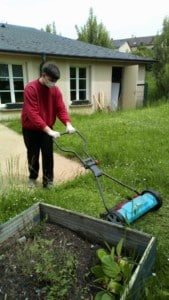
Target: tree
{"points": [[51, 28], [94, 33], [143, 51], [161, 54]]}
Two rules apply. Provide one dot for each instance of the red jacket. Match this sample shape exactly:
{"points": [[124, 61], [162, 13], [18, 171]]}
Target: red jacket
{"points": [[42, 105]]}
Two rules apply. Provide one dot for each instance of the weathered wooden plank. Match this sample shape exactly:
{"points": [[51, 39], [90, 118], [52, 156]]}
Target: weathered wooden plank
{"points": [[19, 224], [143, 271], [96, 229]]}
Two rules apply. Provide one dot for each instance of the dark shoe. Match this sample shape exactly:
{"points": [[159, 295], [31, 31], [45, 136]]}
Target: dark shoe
{"points": [[32, 183], [49, 185]]}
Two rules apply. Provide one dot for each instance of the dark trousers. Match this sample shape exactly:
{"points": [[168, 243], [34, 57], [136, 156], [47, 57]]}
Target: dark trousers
{"points": [[36, 141]]}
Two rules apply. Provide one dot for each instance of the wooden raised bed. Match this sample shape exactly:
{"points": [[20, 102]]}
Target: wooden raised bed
{"points": [[96, 230]]}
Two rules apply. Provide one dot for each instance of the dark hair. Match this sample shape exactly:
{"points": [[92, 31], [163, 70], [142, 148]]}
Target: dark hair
{"points": [[51, 69]]}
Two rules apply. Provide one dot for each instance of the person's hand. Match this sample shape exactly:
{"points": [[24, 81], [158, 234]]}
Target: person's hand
{"points": [[54, 134], [70, 128]]}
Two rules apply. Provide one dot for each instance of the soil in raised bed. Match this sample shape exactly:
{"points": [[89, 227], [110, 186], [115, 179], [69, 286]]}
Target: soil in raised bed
{"points": [[16, 284]]}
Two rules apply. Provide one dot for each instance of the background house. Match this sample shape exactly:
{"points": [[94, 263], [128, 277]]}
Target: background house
{"points": [[92, 77], [121, 45], [129, 44]]}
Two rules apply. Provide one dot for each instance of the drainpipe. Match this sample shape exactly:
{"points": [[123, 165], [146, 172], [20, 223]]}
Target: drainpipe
{"points": [[42, 62]]}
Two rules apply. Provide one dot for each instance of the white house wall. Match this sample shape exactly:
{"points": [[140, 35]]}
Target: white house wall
{"points": [[101, 83], [140, 87], [141, 74], [129, 87], [100, 79]]}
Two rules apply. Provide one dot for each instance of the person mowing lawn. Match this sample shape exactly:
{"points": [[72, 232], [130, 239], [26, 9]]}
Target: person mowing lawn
{"points": [[43, 105]]}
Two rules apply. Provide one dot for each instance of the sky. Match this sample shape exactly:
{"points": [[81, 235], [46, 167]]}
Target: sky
{"points": [[122, 19]]}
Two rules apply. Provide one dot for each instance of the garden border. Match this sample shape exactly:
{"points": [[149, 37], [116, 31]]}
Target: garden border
{"points": [[94, 229]]}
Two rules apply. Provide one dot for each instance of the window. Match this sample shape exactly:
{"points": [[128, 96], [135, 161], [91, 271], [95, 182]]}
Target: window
{"points": [[11, 84], [78, 84]]}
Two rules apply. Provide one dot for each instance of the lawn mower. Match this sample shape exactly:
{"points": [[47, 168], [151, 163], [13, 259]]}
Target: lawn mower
{"points": [[129, 209]]}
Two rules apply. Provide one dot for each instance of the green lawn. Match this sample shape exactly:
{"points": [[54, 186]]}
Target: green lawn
{"points": [[132, 146]]}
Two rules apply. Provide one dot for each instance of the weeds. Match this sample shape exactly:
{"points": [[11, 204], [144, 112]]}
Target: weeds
{"points": [[52, 266]]}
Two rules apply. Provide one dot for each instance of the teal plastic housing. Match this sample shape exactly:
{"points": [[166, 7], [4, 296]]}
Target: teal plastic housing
{"points": [[138, 206]]}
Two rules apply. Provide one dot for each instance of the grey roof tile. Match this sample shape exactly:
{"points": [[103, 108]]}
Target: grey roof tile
{"points": [[21, 39]]}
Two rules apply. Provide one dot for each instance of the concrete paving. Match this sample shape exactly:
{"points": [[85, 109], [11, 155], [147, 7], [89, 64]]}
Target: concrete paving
{"points": [[13, 161]]}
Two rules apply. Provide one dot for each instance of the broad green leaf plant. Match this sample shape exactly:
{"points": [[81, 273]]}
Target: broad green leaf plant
{"points": [[112, 273]]}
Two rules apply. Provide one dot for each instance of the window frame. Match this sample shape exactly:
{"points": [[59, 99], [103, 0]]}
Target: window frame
{"points": [[77, 88], [11, 78]]}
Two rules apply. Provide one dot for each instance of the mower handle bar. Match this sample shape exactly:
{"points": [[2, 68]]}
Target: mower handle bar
{"points": [[90, 163], [73, 151]]}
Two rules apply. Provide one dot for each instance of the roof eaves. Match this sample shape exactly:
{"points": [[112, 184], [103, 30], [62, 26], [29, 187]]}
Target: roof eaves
{"points": [[131, 60]]}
